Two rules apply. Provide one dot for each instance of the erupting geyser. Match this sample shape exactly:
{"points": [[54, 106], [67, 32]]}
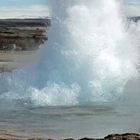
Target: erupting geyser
{"points": [[89, 57]]}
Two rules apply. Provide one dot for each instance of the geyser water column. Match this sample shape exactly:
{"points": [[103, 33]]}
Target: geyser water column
{"points": [[89, 57], [105, 47]]}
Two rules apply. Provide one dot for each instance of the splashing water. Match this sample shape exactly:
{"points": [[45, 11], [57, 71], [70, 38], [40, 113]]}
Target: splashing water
{"points": [[89, 58]]}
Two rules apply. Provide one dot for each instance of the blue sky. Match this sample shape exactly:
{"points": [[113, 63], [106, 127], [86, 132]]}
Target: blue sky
{"points": [[132, 7], [42, 2], [22, 2], [21, 8], [31, 2], [132, 1]]}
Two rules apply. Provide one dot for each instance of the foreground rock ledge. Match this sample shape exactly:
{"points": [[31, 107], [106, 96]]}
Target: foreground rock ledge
{"points": [[126, 136]]}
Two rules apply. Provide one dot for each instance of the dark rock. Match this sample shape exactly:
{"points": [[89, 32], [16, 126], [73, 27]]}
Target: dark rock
{"points": [[69, 139], [126, 136], [23, 34], [39, 139], [135, 19], [87, 139]]}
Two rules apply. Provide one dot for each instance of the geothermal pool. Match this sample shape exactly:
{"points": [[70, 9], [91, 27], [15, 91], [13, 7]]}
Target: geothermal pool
{"points": [[76, 121]]}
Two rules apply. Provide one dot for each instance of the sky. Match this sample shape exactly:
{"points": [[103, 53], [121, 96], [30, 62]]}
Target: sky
{"points": [[22, 2], [35, 8], [23, 8], [132, 7], [132, 1]]}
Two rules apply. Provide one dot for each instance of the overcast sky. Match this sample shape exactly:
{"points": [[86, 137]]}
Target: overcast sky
{"points": [[35, 8]]}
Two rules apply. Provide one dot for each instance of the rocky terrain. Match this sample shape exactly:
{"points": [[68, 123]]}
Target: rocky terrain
{"points": [[126, 136], [19, 40], [23, 34], [135, 19]]}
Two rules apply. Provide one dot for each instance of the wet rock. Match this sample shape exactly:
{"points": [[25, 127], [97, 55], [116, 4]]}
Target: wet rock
{"points": [[39, 139], [126, 136], [69, 139], [87, 139]]}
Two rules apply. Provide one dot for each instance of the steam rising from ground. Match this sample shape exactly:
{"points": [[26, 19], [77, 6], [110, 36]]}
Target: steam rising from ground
{"points": [[90, 56]]}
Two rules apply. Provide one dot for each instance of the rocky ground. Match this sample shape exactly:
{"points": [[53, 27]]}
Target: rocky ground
{"points": [[23, 34], [126, 136], [19, 40]]}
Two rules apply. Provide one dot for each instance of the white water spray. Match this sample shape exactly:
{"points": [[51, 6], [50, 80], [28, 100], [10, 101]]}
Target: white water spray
{"points": [[89, 57]]}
